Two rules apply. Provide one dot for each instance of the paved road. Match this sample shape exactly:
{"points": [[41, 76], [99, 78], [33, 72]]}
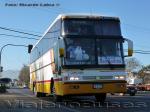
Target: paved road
{"points": [[22, 100]]}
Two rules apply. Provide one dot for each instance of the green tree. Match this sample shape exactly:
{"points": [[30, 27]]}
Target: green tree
{"points": [[144, 73], [132, 64], [24, 75]]}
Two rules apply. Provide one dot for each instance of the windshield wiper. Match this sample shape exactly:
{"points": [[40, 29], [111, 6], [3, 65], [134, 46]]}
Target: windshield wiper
{"points": [[106, 57], [108, 60]]}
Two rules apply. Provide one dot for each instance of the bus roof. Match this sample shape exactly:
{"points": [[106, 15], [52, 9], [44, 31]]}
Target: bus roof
{"points": [[75, 16], [94, 16]]}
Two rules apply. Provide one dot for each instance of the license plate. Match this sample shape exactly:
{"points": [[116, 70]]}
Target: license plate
{"points": [[97, 86]]}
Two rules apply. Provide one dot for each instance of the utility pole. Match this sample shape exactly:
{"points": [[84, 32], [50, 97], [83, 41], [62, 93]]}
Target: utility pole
{"points": [[1, 50]]}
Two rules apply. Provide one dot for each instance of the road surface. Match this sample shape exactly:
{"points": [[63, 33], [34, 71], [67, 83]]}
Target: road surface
{"points": [[22, 100]]}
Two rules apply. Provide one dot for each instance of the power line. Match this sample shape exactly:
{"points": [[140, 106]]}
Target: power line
{"points": [[16, 36], [141, 52], [4, 28], [30, 31], [25, 30], [138, 50], [9, 29]]}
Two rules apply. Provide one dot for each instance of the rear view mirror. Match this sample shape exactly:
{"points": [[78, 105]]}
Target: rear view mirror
{"points": [[61, 52], [130, 47]]}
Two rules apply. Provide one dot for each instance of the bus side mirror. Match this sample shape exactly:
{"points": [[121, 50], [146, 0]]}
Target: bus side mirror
{"points": [[30, 48], [61, 52], [130, 47]]}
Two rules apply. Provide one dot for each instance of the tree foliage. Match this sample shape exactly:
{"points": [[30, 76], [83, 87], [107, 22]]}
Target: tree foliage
{"points": [[144, 73], [132, 64], [24, 75]]}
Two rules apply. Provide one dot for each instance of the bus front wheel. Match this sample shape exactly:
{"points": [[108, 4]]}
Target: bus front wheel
{"points": [[37, 94], [56, 98]]}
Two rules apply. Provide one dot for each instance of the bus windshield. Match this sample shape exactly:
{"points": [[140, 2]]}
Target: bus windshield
{"points": [[109, 51], [83, 51], [91, 27], [80, 51]]}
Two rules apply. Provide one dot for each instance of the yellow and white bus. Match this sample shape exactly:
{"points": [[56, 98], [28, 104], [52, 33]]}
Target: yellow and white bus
{"points": [[80, 54]]}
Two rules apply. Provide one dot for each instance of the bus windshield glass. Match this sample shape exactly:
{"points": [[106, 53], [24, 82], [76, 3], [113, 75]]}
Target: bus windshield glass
{"points": [[109, 51], [83, 51], [80, 51], [91, 27]]}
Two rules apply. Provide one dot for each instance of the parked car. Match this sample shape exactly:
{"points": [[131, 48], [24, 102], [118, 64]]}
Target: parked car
{"points": [[131, 90], [2, 88], [147, 87], [141, 87]]}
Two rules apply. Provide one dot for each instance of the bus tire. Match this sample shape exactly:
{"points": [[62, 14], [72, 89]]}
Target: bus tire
{"points": [[37, 94], [56, 98], [43, 94], [132, 94], [52, 86], [101, 97]]}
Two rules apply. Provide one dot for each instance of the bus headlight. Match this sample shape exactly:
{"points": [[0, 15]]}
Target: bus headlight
{"points": [[120, 77], [116, 77], [74, 78]]}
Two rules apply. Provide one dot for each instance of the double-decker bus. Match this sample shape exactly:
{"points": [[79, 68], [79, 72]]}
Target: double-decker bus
{"points": [[80, 55]]}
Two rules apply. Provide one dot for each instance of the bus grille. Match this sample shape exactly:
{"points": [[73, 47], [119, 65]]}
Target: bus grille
{"points": [[96, 77]]}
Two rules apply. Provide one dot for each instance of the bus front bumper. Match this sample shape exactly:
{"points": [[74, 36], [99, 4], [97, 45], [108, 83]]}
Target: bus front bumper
{"points": [[93, 87]]}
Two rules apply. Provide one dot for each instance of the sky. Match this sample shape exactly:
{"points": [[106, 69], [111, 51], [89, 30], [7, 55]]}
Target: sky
{"points": [[134, 16]]}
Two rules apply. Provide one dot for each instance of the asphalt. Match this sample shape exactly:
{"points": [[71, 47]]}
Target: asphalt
{"points": [[22, 100]]}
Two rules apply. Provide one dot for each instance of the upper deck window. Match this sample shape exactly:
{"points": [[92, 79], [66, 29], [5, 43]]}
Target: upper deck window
{"points": [[99, 27]]}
